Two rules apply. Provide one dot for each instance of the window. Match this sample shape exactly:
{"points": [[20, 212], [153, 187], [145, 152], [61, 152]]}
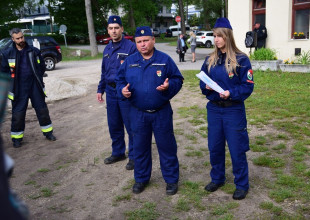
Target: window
{"points": [[168, 10], [259, 11], [300, 19]]}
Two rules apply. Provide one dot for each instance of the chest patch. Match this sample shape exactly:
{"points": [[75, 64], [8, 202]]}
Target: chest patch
{"points": [[250, 74], [158, 72], [231, 75]]}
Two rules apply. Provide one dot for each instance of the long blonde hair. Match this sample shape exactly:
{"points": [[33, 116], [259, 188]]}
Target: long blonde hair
{"points": [[231, 62], [192, 34]]}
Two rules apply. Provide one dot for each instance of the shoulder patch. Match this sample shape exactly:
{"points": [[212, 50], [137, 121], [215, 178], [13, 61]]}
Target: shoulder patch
{"points": [[250, 74]]}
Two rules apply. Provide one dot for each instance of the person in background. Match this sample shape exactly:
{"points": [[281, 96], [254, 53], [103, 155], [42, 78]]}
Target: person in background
{"points": [[192, 41], [231, 70], [118, 109], [26, 66], [181, 47], [261, 33], [149, 79]]}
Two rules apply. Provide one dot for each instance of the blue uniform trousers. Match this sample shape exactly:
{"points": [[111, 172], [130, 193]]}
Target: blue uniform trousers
{"points": [[118, 115], [160, 122], [228, 124], [28, 89]]}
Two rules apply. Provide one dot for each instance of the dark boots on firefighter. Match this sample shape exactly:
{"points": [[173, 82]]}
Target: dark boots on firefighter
{"points": [[49, 136], [17, 142]]}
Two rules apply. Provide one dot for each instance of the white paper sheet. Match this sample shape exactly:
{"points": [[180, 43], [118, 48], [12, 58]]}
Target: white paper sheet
{"points": [[207, 80]]}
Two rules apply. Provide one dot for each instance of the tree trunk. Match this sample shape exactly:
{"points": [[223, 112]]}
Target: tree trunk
{"points": [[205, 11], [226, 8], [131, 19], [91, 29], [181, 8]]}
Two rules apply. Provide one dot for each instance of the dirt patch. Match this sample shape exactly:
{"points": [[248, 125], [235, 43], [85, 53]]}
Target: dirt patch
{"points": [[81, 186]]}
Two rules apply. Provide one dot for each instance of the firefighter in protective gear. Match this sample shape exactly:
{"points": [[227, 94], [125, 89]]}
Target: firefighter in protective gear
{"points": [[26, 66]]}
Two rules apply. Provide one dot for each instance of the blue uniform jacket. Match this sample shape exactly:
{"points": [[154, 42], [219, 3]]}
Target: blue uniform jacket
{"points": [[240, 84], [145, 75], [112, 59]]}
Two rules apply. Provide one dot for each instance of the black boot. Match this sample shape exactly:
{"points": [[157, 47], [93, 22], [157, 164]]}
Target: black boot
{"points": [[49, 136], [17, 142]]}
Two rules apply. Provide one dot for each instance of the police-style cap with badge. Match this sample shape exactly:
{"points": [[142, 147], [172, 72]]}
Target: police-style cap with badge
{"points": [[143, 31], [222, 23], [115, 19]]}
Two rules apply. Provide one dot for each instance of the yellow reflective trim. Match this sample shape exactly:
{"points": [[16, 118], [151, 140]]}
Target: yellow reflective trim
{"points": [[11, 96], [47, 129], [38, 60], [17, 136], [12, 64]]}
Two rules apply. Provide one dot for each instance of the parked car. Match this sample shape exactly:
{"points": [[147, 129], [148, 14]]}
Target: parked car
{"points": [[205, 38], [106, 40], [100, 36], [176, 30], [50, 49], [168, 33], [156, 32]]}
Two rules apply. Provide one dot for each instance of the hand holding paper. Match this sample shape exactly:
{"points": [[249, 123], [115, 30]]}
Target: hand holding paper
{"points": [[209, 82]]}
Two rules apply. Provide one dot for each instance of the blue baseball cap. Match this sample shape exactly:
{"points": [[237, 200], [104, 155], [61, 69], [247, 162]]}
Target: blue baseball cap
{"points": [[115, 19], [143, 31], [222, 23]]}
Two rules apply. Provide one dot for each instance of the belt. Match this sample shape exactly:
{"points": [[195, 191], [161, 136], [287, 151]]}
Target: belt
{"points": [[113, 84], [225, 103], [153, 110]]}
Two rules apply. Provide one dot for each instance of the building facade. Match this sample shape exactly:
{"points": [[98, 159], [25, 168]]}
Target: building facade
{"points": [[287, 23]]}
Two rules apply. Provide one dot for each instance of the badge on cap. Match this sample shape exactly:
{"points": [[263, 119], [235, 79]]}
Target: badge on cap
{"points": [[114, 19], [158, 72], [231, 75], [250, 74], [142, 31], [122, 61]]}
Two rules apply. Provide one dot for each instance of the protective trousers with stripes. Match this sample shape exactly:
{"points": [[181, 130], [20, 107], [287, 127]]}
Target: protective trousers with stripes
{"points": [[28, 89]]}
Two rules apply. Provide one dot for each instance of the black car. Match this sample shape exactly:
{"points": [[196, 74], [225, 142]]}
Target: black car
{"points": [[50, 50], [168, 33]]}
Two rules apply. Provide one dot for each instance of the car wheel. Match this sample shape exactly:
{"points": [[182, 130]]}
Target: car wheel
{"points": [[208, 44], [49, 63]]}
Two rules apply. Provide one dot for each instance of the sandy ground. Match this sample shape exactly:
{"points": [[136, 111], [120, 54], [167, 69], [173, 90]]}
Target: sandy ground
{"points": [[71, 172]]}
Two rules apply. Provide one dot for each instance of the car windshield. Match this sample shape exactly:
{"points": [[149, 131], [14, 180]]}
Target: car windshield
{"points": [[199, 34], [4, 42]]}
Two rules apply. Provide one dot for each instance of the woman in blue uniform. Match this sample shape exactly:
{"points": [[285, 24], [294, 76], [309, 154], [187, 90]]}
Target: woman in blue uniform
{"points": [[231, 70]]}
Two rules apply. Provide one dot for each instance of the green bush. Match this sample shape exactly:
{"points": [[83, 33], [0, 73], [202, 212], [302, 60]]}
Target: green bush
{"points": [[264, 54], [303, 58]]}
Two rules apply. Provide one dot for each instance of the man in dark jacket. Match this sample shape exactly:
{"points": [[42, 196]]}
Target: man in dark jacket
{"points": [[261, 32], [181, 47], [26, 66]]}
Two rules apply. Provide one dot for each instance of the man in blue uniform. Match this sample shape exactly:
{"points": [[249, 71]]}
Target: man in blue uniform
{"points": [[231, 70], [27, 67], [118, 110], [149, 79]]}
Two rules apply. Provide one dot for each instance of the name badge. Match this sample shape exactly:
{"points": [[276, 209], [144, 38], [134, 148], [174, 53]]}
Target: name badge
{"points": [[134, 65]]}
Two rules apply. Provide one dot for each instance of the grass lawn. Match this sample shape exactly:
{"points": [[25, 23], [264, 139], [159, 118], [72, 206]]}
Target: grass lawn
{"points": [[279, 103]]}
